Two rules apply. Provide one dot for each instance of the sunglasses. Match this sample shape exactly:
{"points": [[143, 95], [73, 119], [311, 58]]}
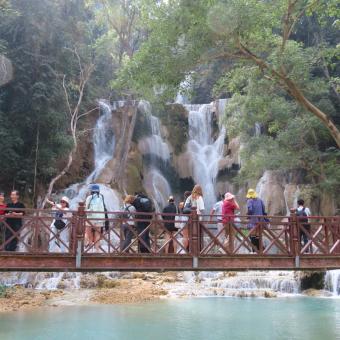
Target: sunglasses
{"points": [[63, 202]]}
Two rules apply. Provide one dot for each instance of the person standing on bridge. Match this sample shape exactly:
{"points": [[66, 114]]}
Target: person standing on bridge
{"points": [[183, 221], [302, 214], [59, 230], [195, 200], [256, 211], [128, 227], [143, 204], [94, 204], [169, 224], [2, 213], [217, 211], [13, 220]]}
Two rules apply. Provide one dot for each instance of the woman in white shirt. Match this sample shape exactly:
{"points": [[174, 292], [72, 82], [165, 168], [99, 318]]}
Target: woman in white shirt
{"points": [[196, 199], [59, 226]]}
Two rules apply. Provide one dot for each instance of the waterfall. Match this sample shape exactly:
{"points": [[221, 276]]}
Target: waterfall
{"points": [[104, 146], [103, 140], [251, 283], [157, 187], [154, 146], [205, 152], [332, 281]]}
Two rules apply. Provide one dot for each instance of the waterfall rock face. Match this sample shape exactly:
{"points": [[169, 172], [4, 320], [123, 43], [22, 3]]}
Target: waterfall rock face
{"points": [[166, 152], [271, 190]]}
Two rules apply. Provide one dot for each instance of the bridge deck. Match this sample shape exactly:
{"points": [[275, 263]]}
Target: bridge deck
{"points": [[273, 243]]}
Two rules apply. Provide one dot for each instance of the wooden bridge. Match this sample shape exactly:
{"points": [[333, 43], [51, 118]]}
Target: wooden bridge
{"points": [[273, 243]]}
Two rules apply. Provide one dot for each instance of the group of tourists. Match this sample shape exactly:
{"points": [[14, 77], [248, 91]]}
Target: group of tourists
{"points": [[135, 217]]}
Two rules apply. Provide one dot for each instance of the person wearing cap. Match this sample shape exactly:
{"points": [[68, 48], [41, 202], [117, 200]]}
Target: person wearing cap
{"points": [[59, 231], [128, 227], [94, 228], [169, 223], [229, 207], [255, 211]]}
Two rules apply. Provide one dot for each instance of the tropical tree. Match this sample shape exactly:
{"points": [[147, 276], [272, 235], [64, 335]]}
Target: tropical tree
{"points": [[187, 33]]}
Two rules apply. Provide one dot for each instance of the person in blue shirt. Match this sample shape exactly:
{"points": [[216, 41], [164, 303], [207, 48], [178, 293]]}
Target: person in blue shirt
{"points": [[255, 210]]}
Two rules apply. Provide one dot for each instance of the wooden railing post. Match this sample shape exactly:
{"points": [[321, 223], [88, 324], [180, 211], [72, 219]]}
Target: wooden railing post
{"points": [[231, 236], [80, 231], [294, 237], [195, 239]]}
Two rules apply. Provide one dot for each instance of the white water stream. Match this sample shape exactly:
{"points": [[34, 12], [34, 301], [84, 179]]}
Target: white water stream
{"points": [[205, 152], [154, 146], [104, 146], [332, 281]]}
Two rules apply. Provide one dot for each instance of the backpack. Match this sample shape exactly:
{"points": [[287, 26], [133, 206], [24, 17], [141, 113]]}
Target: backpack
{"points": [[144, 204], [127, 214], [302, 216], [59, 223], [187, 207]]}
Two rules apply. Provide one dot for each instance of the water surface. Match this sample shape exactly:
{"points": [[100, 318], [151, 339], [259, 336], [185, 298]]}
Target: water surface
{"points": [[196, 319]]}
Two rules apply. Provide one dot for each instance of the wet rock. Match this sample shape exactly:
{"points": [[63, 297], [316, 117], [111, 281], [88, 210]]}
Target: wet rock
{"points": [[312, 280], [316, 293]]}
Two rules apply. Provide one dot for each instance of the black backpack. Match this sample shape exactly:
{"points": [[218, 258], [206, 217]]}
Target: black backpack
{"points": [[302, 216], [143, 204], [59, 223]]}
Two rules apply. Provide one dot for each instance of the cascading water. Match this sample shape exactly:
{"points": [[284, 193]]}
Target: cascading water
{"points": [[249, 283], [332, 281], [153, 146], [104, 146], [205, 152]]}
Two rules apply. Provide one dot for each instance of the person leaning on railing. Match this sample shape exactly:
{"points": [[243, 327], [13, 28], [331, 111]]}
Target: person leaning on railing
{"points": [[14, 220]]}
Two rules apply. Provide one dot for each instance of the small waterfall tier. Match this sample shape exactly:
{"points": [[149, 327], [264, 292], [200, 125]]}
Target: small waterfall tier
{"points": [[332, 281]]}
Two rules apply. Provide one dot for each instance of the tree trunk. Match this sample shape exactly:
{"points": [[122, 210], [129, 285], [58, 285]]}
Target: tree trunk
{"points": [[327, 122], [58, 176]]}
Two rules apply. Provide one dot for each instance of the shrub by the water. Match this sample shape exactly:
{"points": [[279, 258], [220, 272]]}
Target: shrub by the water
{"points": [[3, 291]]}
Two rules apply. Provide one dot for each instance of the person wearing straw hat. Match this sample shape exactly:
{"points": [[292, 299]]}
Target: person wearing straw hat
{"points": [[255, 209]]}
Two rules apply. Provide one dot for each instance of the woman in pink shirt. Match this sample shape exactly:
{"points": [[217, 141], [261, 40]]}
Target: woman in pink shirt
{"points": [[229, 207]]}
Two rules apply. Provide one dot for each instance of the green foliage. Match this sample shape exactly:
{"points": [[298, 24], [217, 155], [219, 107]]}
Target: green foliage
{"points": [[3, 291], [34, 125], [186, 36]]}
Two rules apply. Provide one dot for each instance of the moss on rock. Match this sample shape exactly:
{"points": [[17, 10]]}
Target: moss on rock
{"points": [[175, 118], [312, 280]]}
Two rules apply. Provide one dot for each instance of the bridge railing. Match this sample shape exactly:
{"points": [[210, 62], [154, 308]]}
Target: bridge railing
{"points": [[270, 235], [36, 232], [195, 236]]}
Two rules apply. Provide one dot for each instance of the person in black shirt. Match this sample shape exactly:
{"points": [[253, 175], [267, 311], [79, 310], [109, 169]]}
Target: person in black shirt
{"points": [[169, 223], [13, 220], [143, 204]]}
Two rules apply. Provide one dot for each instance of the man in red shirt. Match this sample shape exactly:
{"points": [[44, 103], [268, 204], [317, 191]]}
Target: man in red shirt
{"points": [[2, 213], [229, 207], [2, 204]]}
